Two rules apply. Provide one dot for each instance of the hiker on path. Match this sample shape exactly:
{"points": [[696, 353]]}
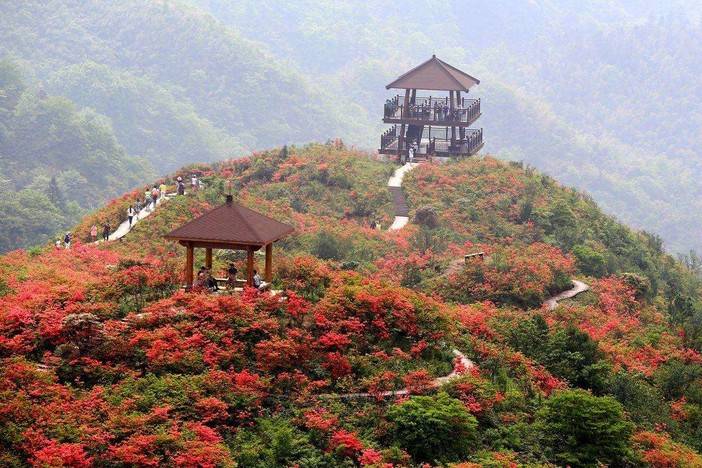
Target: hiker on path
{"points": [[147, 200], [154, 195], [130, 214], [57, 245], [194, 182], [67, 240], [93, 233], [106, 232], [181, 186]]}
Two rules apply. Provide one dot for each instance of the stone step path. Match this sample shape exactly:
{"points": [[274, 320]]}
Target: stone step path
{"points": [[398, 196]]}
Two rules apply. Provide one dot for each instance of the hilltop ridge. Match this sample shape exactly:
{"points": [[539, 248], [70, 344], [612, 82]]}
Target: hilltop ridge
{"points": [[106, 360]]}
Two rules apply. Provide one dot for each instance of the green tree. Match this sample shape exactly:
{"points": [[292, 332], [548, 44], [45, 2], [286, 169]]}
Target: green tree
{"points": [[433, 428], [328, 247], [276, 442], [530, 337], [55, 194], [590, 261], [572, 355], [580, 429]]}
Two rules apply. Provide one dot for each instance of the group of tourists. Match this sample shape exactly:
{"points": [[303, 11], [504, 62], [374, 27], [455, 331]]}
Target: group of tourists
{"points": [[206, 280], [151, 198], [442, 111], [66, 244], [94, 233], [391, 106], [232, 280]]}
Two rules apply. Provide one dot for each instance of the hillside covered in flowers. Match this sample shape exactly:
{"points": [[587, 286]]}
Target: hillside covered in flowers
{"points": [[106, 361]]}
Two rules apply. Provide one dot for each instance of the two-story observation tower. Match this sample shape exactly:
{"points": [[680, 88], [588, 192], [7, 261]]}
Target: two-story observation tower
{"points": [[436, 122]]}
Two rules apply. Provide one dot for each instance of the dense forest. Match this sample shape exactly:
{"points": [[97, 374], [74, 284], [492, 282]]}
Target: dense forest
{"points": [[106, 361], [601, 95], [57, 160], [590, 94]]}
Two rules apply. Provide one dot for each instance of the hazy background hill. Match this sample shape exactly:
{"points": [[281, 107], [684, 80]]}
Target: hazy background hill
{"points": [[604, 95]]}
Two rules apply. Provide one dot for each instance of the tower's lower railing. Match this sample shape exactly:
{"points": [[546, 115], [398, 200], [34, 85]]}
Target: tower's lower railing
{"points": [[433, 143]]}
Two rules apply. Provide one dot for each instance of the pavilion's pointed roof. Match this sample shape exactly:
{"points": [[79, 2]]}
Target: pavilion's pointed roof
{"points": [[437, 75], [232, 223]]}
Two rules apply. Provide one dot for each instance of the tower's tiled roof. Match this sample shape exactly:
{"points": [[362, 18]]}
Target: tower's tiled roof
{"points": [[435, 74]]}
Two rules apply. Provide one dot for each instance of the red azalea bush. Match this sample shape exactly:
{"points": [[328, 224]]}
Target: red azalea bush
{"points": [[523, 275]]}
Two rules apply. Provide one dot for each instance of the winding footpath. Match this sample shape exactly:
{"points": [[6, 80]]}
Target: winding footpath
{"points": [[124, 228], [578, 287], [463, 363]]}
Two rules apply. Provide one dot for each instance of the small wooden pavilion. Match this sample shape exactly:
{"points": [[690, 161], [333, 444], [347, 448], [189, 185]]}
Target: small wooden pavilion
{"points": [[437, 122], [234, 227]]}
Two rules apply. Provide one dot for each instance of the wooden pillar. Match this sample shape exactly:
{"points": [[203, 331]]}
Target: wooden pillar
{"points": [[413, 97], [405, 115], [451, 108], [189, 265], [400, 142], [461, 130], [269, 263], [249, 265], [208, 257]]}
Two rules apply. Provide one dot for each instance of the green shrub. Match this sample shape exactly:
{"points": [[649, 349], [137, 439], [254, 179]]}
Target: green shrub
{"points": [[590, 261], [276, 442], [579, 429], [640, 284], [328, 247], [433, 428]]}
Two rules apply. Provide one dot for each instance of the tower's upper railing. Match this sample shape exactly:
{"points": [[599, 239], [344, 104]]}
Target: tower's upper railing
{"points": [[432, 110]]}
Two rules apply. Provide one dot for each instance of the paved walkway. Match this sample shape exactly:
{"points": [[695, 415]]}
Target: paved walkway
{"points": [[578, 287], [466, 364], [124, 228], [398, 196]]}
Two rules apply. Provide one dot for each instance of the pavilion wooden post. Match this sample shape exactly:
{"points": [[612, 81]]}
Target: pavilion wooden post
{"points": [[208, 257], [461, 130], [451, 108], [269, 263], [249, 265], [189, 265]]}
